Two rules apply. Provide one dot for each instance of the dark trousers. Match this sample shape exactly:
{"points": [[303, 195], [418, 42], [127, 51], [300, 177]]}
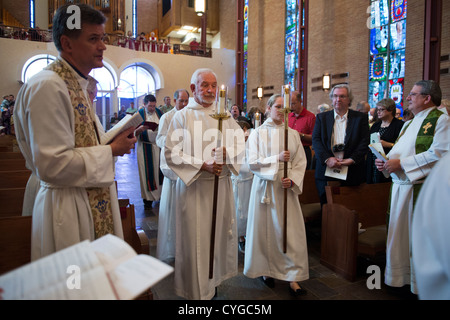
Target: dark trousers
{"points": [[308, 154]]}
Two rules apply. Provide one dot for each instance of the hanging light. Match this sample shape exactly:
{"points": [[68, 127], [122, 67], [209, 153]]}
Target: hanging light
{"points": [[200, 6]]}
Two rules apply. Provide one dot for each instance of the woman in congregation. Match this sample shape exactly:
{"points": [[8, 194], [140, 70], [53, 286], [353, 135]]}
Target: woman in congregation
{"points": [[264, 256], [388, 128]]}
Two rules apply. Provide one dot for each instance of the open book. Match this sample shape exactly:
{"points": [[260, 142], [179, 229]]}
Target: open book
{"points": [[105, 269], [127, 122]]}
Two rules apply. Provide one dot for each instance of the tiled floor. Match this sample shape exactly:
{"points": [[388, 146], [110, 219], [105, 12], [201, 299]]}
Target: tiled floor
{"points": [[323, 284]]}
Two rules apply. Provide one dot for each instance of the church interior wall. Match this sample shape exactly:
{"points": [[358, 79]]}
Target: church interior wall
{"points": [[338, 43], [176, 69]]}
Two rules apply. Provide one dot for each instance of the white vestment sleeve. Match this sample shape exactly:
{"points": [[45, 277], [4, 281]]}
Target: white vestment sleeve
{"points": [[418, 166]]}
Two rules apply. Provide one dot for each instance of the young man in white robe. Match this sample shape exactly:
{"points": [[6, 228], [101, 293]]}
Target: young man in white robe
{"points": [[165, 247], [264, 256], [192, 153], [148, 153], [422, 142], [58, 135]]}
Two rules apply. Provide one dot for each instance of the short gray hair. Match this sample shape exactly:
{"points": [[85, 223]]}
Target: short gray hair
{"points": [[430, 87], [198, 72], [346, 86], [177, 93]]}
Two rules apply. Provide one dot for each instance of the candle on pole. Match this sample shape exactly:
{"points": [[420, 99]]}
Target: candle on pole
{"points": [[221, 109], [286, 93], [219, 115], [257, 120]]}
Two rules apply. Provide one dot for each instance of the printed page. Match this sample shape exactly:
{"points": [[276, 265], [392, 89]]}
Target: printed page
{"points": [[134, 276], [129, 274], [72, 273], [127, 122], [336, 173], [112, 251]]}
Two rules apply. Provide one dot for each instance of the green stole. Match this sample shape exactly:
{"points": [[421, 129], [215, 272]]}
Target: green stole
{"points": [[151, 183], [86, 135]]}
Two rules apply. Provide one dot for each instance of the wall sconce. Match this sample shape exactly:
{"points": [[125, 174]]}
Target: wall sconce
{"points": [[326, 82], [119, 23], [200, 7], [260, 92]]}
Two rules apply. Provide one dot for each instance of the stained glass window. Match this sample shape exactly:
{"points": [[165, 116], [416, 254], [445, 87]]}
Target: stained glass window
{"points": [[291, 42], [245, 81], [387, 51]]}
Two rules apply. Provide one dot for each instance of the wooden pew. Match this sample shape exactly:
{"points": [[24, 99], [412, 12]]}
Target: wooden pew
{"points": [[15, 242], [11, 201], [8, 143], [12, 164], [14, 179], [11, 155], [135, 237], [347, 207], [309, 199]]}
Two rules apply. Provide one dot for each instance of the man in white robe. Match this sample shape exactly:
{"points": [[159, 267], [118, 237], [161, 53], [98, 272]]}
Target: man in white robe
{"points": [[264, 254], [192, 153], [431, 236], [423, 141], [165, 247], [148, 153], [47, 130], [242, 185]]}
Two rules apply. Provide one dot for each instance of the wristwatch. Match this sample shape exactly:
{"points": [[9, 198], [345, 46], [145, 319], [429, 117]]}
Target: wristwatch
{"points": [[302, 135]]}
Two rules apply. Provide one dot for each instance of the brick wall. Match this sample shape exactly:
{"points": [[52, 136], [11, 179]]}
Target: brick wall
{"points": [[147, 16], [445, 48], [338, 43]]}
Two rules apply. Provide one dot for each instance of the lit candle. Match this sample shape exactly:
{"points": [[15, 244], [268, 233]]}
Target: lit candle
{"points": [[257, 120], [222, 100], [287, 96]]}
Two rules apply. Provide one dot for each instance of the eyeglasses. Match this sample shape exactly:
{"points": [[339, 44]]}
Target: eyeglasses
{"points": [[381, 109], [413, 94], [335, 96]]}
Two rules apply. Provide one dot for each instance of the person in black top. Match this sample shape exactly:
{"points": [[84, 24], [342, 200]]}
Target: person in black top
{"points": [[388, 127]]}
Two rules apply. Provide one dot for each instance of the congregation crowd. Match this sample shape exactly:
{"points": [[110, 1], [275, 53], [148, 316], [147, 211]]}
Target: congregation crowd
{"points": [[179, 166]]}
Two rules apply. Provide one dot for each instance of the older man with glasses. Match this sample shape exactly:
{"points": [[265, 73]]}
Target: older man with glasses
{"points": [[422, 142], [340, 140]]}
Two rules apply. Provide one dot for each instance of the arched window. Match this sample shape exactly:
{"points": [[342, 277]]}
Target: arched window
{"points": [[106, 78], [35, 65], [136, 81]]}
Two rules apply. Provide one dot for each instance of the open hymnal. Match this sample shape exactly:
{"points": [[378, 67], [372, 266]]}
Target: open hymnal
{"points": [[127, 122], [105, 269]]}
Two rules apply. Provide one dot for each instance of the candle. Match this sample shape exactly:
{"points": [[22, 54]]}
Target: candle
{"points": [[222, 100], [287, 96], [257, 120]]}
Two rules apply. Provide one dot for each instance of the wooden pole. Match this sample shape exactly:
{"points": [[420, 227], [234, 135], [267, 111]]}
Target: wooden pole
{"points": [[220, 115], [287, 102]]}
